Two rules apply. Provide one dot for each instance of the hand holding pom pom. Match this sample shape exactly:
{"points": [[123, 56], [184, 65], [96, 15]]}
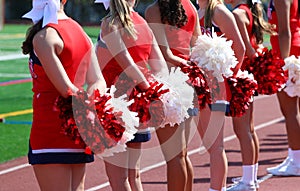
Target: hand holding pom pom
{"points": [[178, 99], [148, 106], [97, 122]]}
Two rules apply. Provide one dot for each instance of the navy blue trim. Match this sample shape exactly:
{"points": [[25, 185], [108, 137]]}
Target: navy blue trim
{"points": [[141, 137], [220, 107], [35, 59], [59, 158], [100, 42], [193, 111]]}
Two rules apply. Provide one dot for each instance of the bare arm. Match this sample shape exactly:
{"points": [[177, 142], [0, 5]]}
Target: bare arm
{"points": [[47, 46], [115, 44], [243, 22], [157, 61], [284, 31], [226, 21], [197, 31], [94, 77]]}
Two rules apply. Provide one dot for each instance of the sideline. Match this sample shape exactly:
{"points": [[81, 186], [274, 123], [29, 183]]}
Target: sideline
{"points": [[145, 169], [194, 151], [15, 168], [13, 57], [14, 82], [21, 112]]}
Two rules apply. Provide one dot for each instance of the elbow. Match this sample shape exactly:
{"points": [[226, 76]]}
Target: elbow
{"points": [[241, 51], [243, 48], [168, 57]]}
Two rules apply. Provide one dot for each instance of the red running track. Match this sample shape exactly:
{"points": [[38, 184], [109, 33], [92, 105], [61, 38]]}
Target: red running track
{"points": [[17, 175]]}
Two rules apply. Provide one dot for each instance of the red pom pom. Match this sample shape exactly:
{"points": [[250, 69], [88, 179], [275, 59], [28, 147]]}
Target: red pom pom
{"points": [[242, 91], [68, 126], [267, 71], [148, 105], [198, 80], [90, 121]]}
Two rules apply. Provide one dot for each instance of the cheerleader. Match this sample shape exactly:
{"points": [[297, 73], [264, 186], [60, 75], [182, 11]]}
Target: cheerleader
{"points": [[128, 55], [176, 27], [285, 16], [249, 17], [215, 17], [59, 49]]}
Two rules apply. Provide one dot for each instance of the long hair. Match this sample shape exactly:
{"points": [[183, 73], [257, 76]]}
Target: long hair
{"points": [[120, 15], [172, 13], [209, 12], [260, 26], [27, 45]]}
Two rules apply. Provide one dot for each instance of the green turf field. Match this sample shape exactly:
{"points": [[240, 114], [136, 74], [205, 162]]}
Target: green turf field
{"points": [[14, 137]]}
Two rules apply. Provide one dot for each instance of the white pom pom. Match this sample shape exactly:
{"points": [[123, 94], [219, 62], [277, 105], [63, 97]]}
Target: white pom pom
{"points": [[130, 118], [214, 53], [245, 74], [180, 97], [120, 104], [110, 152], [292, 64]]}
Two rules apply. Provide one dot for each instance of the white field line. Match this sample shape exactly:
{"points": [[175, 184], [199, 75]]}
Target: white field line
{"points": [[11, 75], [148, 168], [15, 168], [194, 151], [13, 57], [145, 169]]}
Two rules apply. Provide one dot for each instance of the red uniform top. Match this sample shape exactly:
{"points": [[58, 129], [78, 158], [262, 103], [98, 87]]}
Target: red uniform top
{"points": [[46, 135], [179, 39], [294, 26], [139, 49]]}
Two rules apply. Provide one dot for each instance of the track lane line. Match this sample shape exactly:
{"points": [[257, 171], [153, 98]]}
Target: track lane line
{"points": [[15, 113], [196, 151], [148, 168], [15, 168]]}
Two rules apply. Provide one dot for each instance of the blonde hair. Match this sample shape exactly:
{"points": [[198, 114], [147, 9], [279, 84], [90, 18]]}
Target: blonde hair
{"points": [[210, 12], [120, 15]]}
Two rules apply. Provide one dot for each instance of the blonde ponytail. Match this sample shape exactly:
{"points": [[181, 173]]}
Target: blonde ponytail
{"points": [[120, 15], [209, 12]]}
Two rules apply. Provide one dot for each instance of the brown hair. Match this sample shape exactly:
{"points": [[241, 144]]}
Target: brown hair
{"points": [[260, 26], [27, 45], [172, 13]]}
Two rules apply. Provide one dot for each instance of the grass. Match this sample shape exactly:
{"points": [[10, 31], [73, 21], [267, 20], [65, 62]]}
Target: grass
{"points": [[14, 137]]}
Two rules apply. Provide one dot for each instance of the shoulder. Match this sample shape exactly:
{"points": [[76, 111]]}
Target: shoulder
{"points": [[47, 37], [240, 14], [222, 12], [107, 26], [152, 13]]}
